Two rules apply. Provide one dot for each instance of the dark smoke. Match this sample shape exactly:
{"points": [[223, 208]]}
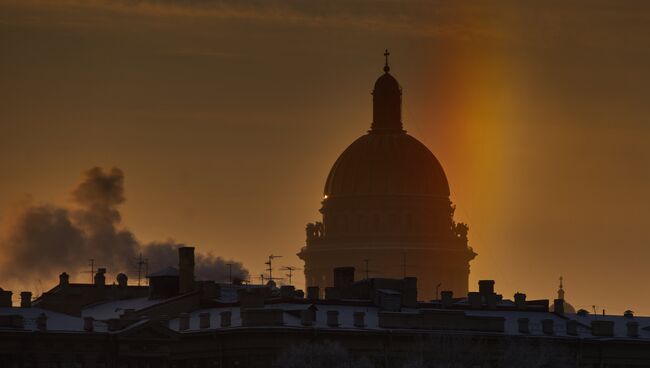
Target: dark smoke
{"points": [[208, 266], [42, 241]]}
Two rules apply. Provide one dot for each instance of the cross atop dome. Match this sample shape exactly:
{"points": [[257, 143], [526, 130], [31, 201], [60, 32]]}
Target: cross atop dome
{"points": [[386, 67]]}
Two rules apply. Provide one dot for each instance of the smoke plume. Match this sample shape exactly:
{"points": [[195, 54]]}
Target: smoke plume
{"points": [[39, 241]]}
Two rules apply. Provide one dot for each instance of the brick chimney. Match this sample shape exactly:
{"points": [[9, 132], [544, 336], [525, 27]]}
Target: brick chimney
{"points": [[447, 298], [486, 288], [313, 292], [520, 301], [100, 277], [5, 298], [64, 279], [26, 299], [122, 280], [186, 269]]}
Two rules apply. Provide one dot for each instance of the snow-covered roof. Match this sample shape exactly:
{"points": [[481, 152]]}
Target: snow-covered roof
{"points": [[346, 320], [114, 308], [56, 322]]}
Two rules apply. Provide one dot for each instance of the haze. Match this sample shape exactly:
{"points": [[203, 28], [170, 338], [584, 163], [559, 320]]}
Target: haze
{"points": [[225, 119]]}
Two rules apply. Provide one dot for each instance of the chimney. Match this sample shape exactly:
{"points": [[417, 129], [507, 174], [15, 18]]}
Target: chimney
{"points": [[524, 326], [628, 314], [410, 292], [183, 321], [332, 293], [5, 298], [186, 269], [333, 318], [547, 326], [204, 320], [343, 277], [64, 279], [88, 324], [633, 329], [474, 299], [287, 292], [486, 288], [359, 319], [447, 298], [41, 322], [100, 277], [225, 318], [312, 292], [572, 327], [122, 280], [26, 299], [520, 301], [558, 306]]}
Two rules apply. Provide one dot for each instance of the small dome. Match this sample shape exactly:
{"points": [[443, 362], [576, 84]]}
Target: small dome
{"points": [[387, 164], [386, 84]]}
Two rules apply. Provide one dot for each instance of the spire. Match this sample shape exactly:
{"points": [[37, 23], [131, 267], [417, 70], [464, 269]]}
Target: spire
{"points": [[386, 102], [560, 291], [386, 67]]}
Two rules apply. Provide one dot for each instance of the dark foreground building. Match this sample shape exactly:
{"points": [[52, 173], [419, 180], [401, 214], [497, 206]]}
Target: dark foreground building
{"points": [[378, 319], [386, 204]]}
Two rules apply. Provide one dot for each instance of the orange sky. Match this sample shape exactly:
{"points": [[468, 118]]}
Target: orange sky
{"points": [[226, 118]]}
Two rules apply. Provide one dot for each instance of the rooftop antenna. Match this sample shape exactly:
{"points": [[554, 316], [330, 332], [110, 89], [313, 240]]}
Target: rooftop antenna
{"points": [[91, 264], [229, 272], [270, 264], [404, 265], [366, 261], [290, 269], [141, 263]]}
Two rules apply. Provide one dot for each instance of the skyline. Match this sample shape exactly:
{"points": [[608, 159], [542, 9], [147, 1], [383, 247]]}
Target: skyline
{"points": [[225, 121]]}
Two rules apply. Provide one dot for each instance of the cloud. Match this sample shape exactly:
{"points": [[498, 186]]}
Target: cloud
{"points": [[416, 18], [40, 241]]}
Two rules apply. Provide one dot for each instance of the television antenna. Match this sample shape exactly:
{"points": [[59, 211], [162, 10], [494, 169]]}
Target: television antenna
{"points": [[270, 264], [92, 265], [290, 269]]}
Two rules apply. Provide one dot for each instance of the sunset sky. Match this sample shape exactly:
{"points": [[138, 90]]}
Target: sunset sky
{"points": [[225, 118]]}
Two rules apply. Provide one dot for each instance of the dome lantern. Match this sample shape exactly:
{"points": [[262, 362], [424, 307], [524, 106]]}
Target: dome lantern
{"points": [[386, 103]]}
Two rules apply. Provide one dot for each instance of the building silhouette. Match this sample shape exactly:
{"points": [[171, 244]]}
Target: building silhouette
{"points": [[386, 209]]}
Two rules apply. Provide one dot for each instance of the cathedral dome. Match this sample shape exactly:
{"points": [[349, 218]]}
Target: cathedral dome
{"points": [[387, 161], [387, 164]]}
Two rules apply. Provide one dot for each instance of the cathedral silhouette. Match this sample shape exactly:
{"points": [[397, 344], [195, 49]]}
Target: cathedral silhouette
{"points": [[386, 209]]}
